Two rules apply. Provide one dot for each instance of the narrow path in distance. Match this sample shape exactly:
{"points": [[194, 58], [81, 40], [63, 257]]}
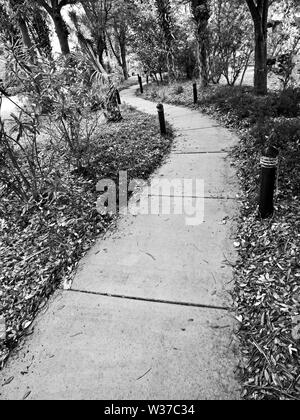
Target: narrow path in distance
{"points": [[146, 317]]}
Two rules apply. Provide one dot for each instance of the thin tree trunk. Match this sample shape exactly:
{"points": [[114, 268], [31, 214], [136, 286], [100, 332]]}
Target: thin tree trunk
{"points": [[259, 11], [124, 58], [101, 48], [245, 68], [166, 23]]}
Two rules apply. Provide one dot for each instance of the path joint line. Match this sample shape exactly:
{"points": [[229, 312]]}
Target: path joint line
{"points": [[150, 300]]}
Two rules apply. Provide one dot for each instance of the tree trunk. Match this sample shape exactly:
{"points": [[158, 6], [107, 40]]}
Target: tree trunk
{"points": [[25, 34], [203, 65], [123, 59], [261, 55], [201, 15], [123, 52], [61, 32], [166, 24]]}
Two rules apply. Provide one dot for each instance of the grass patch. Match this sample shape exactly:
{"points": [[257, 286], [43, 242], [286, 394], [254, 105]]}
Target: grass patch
{"points": [[41, 243], [267, 275]]}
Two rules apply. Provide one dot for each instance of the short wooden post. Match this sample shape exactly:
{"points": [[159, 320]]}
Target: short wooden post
{"points": [[195, 92], [141, 84], [162, 121], [118, 96], [147, 79], [269, 167]]}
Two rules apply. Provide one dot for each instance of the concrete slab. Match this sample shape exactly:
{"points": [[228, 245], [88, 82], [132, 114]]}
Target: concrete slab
{"points": [[90, 347], [160, 257], [196, 131], [214, 169]]}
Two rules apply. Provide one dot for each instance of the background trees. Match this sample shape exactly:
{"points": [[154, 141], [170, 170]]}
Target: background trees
{"points": [[165, 20], [201, 14], [210, 39], [54, 8], [95, 19], [230, 45], [123, 14]]}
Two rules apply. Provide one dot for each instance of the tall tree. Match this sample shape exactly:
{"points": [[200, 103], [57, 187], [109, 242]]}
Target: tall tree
{"points": [[201, 14], [165, 20], [54, 8], [259, 11]]}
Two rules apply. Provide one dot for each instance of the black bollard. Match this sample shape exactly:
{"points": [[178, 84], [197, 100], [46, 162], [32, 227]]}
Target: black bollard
{"points": [[269, 166], [118, 96], [162, 121], [141, 84], [147, 79], [195, 93]]}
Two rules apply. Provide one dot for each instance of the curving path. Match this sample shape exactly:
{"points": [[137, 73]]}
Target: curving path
{"points": [[146, 316]]}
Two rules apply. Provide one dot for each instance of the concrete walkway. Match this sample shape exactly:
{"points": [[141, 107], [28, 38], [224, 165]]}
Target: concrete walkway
{"points": [[146, 316]]}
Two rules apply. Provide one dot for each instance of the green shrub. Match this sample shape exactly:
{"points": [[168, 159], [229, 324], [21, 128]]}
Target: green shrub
{"points": [[288, 103]]}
